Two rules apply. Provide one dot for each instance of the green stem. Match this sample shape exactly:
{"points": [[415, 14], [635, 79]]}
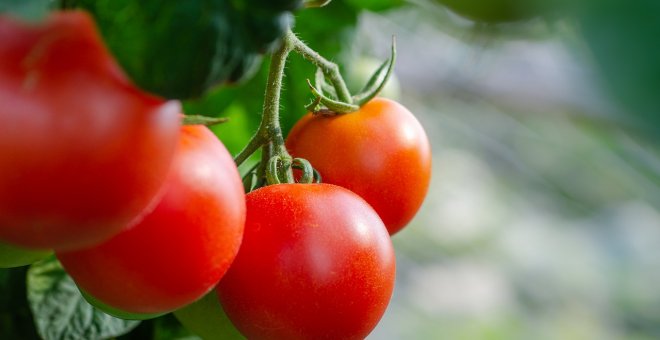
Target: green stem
{"points": [[269, 132], [275, 161], [257, 141], [330, 69], [266, 154]]}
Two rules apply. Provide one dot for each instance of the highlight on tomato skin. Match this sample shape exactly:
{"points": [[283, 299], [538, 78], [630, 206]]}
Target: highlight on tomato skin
{"points": [[82, 150], [380, 152], [180, 250], [316, 263]]}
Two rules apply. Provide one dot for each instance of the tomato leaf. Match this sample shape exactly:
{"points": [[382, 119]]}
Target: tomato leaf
{"points": [[60, 311]]}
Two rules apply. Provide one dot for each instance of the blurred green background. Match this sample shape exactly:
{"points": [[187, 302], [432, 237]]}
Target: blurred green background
{"points": [[542, 220]]}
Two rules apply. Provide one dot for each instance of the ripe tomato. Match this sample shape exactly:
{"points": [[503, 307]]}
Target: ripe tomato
{"points": [[11, 256], [82, 150], [180, 250], [380, 152], [316, 263]]}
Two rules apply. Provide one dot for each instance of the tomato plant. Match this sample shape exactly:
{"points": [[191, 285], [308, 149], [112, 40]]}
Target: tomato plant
{"points": [[180, 250], [83, 151], [146, 217], [316, 263], [380, 152]]}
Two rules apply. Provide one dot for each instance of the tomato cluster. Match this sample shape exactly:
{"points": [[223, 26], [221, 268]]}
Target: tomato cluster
{"points": [[148, 216]]}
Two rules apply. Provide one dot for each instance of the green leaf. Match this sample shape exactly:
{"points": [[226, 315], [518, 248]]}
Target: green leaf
{"points": [[60, 311], [26, 9], [180, 49], [168, 327]]}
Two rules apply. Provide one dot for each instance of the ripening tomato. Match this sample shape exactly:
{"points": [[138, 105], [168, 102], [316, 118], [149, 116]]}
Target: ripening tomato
{"points": [[316, 263], [82, 151], [180, 250], [380, 152]]}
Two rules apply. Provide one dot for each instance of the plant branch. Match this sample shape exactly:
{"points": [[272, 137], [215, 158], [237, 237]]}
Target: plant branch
{"points": [[269, 132], [330, 69]]}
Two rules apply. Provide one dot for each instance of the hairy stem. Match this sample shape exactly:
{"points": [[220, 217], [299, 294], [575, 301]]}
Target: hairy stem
{"points": [[269, 129]]}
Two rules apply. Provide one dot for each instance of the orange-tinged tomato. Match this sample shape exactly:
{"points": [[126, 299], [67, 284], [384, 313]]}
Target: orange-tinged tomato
{"points": [[380, 152]]}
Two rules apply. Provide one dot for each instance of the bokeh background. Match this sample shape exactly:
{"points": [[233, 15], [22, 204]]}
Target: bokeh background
{"points": [[542, 220]]}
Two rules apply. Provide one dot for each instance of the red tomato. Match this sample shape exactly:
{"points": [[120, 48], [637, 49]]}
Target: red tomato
{"points": [[180, 250], [380, 152], [82, 150], [316, 263]]}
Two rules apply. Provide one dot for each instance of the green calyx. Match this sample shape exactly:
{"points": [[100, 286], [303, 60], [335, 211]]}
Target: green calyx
{"points": [[331, 97], [203, 120]]}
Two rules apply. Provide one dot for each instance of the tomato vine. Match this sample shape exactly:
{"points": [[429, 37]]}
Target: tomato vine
{"points": [[276, 163]]}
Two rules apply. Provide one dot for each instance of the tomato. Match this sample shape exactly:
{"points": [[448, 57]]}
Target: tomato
{"points": [[316, 263], [11, 256], [82, 151], [380, 152], [180, 250], [206, 318]]}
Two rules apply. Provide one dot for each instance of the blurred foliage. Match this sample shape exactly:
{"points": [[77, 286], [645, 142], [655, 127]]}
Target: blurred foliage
{"points": [[494, 11], [623, 39]]}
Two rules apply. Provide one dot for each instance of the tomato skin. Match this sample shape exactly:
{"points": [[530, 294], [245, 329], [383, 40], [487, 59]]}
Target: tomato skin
{"points": [[380, 152], [180, 250], [82, 151], [316, 263]]}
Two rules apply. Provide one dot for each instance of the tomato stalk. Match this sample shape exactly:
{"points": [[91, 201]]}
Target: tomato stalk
{"points": [[330, 69], [276, 163]]}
